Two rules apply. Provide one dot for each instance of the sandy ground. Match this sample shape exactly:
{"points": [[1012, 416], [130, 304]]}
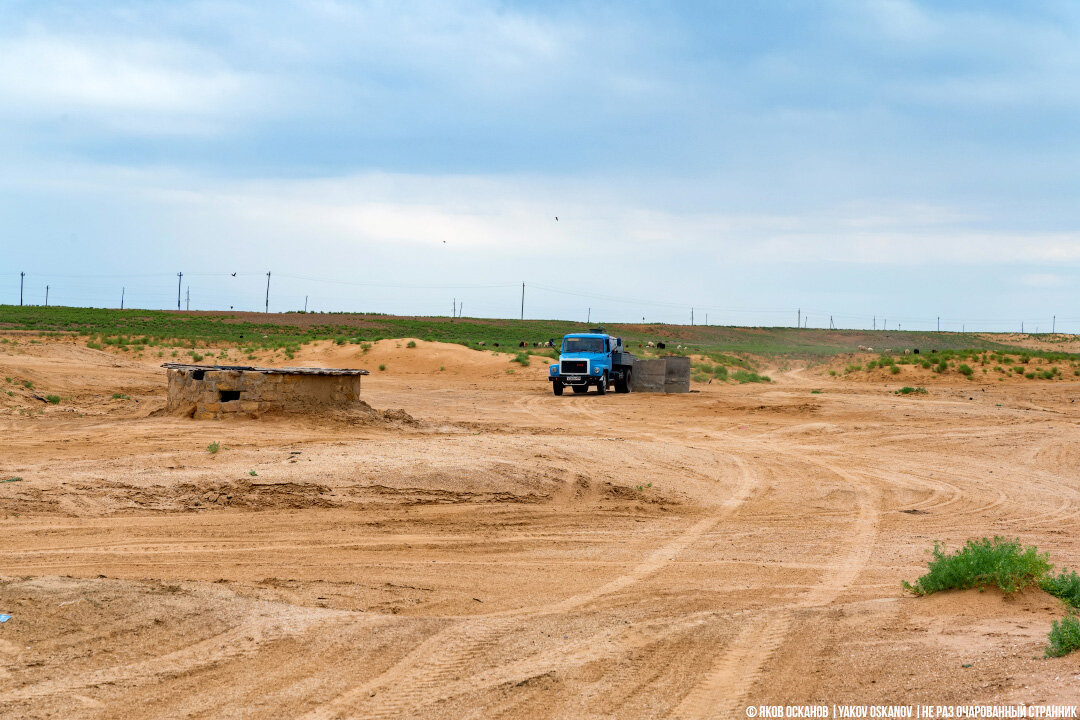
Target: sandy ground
{"points": [[516, 554]]}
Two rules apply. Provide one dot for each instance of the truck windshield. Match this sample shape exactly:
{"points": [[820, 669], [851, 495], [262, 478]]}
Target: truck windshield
{"points": [[580, 344]]}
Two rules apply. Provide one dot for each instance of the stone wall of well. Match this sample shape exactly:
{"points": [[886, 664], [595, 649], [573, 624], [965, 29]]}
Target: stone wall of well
{"points": [[669, 374], [198, 393]]}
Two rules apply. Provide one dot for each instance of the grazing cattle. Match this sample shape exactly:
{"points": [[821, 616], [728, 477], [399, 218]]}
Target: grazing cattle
{"points": [[481, 343], [907, 351], [862, 348], [661, 345], [915, 351], [521, 344], [649, 344], [495, 344], [869, 349]]}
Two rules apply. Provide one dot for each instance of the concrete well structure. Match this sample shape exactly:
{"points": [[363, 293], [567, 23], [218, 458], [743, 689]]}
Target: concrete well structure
{"points": [[215, 391], [670, 374]]}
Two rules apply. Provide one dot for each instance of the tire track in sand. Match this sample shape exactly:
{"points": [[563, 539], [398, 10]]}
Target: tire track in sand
{"points": [[723, 691], [422, 676]]}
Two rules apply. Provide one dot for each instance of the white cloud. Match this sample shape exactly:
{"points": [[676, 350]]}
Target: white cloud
{"points": [[156, 87]]}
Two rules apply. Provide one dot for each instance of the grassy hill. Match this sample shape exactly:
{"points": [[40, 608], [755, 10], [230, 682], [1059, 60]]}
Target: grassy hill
{"points": [[275, 330]]}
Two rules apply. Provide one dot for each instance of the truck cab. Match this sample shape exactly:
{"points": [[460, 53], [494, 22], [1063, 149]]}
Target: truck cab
{"points": [[592, 359]]}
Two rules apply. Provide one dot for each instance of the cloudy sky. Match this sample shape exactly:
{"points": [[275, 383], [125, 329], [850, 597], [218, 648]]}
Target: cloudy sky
{"points": [[867, 159]]}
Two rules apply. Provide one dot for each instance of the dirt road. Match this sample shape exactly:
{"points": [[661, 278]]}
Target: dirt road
{"points": [[515, 554]]}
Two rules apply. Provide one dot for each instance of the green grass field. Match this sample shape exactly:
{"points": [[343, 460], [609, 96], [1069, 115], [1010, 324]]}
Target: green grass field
{"points": [[261, 331]]}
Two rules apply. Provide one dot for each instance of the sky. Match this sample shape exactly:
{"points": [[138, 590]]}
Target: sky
{"points": [[872, 161]]}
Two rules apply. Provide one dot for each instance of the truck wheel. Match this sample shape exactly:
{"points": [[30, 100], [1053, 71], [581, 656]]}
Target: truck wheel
{"points": [[557, 388], [602, 387], [623, 385], [579, 389]]}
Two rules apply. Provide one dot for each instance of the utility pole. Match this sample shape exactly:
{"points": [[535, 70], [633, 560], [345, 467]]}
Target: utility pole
{"points": [[939, 323], [588, 318], [179, 282], [1021, 327], [122, 291], [1053, 325], [798, 318], [875, 322], [453, 309], [267, 308], [188, 300], [706, 319], [522, 301], [46, 296], [305, 304], [691, 317], [21, 276], [830, 323]]}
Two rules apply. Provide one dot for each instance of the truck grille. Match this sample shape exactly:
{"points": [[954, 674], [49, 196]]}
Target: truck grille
{"points": [[575, 367]]}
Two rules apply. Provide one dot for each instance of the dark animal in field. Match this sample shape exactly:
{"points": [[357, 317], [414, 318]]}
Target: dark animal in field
{"points": [[661, 345]]}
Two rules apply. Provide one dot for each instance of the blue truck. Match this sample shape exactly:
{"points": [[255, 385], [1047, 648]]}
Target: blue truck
{"points": [[592, 359]]}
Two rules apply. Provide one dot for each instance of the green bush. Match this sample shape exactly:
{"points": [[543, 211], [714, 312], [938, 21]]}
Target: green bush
{"points": [[410, 344], [213, 447], [382, 367], [54, 399], [1065, 586], [965, 370], [941, 367], [895, 369], [908, 390], [120, 396], [522, 359], [1064, 637], [720, 372], [852, 368], [745, 376], [1004, 563]]}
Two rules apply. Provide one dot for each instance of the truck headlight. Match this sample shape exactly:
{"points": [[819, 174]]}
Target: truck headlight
{"points": [[596, 371], [553, 369]]}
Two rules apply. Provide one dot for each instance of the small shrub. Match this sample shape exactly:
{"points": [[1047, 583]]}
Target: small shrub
{"points": [[28, 385], [411, 344], [95, 346], [213, 447], [382, 367], [941, 367], [1030, 375], [852, 368], [196, 357], [745, 376], [965, 370], [54, 399], [816, 392], [522, 359], [1004, 563], [252, 473], [1064, 637], [908, 390], [895, 369], [1065, 586], [120, 396], [720, 372], [832, 373]]}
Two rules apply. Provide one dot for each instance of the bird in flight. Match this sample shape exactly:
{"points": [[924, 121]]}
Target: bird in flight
{"points": [[234, 274], [556, 218]]}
